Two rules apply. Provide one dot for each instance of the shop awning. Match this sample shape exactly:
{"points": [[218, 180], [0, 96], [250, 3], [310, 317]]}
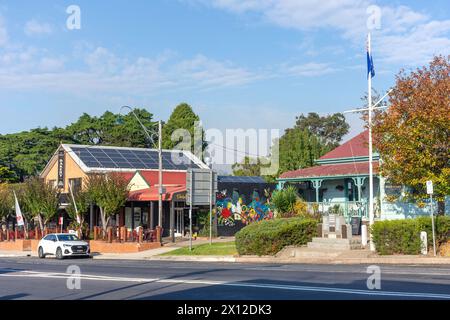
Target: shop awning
{"points": [[151, 194]]}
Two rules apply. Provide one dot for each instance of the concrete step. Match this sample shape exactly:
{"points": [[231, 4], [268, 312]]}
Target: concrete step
{"points": [[336, 241], [335, 244]]}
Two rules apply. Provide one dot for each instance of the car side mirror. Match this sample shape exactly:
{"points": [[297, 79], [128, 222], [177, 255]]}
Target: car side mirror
{"points": [[54, 240]]}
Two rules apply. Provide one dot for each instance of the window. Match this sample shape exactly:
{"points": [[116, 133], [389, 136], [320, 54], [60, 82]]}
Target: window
{"points": [[50, 237], [75, 184], [67, 237], [352, 190]]}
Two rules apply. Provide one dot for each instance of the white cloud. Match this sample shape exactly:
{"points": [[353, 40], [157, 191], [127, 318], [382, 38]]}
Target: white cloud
{"points": [[103, 71], [311, 69], [406, 36], [51, 64], [417, 46], [3, 33], [34, 27]]}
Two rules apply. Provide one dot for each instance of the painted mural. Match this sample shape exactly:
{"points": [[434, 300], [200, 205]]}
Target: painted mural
{"points": [[234, 208]]}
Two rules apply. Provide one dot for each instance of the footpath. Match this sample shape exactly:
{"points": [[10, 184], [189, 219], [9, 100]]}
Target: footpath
{"points": [[299, 255]]}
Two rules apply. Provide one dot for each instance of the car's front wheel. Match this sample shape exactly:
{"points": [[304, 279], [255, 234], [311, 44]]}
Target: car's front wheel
{"points": [[41, 253], [59, 254]]}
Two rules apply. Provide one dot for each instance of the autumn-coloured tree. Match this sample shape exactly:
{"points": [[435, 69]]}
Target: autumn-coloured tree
{"points": [[413, 135]]}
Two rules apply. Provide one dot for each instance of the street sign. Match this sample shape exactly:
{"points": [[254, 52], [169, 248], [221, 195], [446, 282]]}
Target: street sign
{"points": [[199, 190], [61, 221], [429, 187]]}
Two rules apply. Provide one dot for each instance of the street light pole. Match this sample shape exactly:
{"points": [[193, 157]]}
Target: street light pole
{"points": [[160, 179]]}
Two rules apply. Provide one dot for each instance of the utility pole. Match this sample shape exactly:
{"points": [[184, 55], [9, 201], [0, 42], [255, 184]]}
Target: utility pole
{"points": [[160, 168], [160, 179], [210, 205]]}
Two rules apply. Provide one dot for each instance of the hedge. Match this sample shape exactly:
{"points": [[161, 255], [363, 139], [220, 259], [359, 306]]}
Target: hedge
{"points": [[269, 237], [403, 236]]}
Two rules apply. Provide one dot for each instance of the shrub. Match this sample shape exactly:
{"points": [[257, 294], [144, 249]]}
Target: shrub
{"points": [[203, 220], [284, 201], [403, 236], [269, 237], [301, 210]]}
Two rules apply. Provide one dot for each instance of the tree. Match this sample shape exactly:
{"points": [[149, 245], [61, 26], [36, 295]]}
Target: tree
{"points": [[182, 117], [6, 201], [41, 200], [25, 154], [248, 167], [330, 128], [299, 148], [78, 213], [413, 135], [113, 129], [251, 167], [109, 192], [7, 175]]}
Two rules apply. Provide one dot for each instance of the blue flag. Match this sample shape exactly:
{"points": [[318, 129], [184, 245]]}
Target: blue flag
{"points": [[370, 68]]}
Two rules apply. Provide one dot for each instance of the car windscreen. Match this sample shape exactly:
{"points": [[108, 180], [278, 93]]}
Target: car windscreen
{"points": [[67, 237]]}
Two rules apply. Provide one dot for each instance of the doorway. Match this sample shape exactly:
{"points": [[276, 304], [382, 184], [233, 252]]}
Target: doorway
{"points": [[179, 222]]}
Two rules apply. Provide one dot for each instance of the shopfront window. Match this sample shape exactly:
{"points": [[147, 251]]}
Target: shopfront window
{"points": [[137, 217], [128, 218]]}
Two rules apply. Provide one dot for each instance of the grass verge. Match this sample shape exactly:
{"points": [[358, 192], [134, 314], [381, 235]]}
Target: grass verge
{"points": [[216, 249]]}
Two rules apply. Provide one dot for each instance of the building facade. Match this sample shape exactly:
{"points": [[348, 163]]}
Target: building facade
{"points": [[340, 184], [72, 164]]}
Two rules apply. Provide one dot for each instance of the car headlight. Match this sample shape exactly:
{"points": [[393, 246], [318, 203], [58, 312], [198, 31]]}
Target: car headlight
{"points": [[67, 245]]}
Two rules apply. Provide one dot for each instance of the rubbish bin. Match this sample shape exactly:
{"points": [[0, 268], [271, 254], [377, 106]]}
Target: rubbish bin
{"points": [[356, 226]]}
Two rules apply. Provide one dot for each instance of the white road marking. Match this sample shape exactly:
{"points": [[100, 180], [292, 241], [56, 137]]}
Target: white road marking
{"points": [[35, 274]]}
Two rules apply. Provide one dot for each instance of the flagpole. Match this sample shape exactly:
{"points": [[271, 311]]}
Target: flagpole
{"points": [[369, 98], [19, 212]]}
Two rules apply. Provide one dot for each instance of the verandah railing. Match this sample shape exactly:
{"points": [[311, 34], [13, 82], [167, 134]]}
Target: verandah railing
{"points": [[348, 209]]}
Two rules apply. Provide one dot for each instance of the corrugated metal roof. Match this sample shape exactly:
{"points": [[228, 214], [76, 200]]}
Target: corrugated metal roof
{"points": [[356, 168], [355, 147]]}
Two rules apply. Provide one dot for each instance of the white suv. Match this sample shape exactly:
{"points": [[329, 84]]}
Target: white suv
{"points": [[62, 245]]}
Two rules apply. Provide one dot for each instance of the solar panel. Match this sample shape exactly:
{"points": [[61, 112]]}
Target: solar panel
{"points": [[111, 158]]}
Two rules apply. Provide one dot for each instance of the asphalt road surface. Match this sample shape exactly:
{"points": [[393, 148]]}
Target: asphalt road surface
{"points": [[32, 278]]}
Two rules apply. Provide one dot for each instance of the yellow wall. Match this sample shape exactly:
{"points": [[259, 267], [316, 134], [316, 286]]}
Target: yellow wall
{"points": [[138, 183], [72, 171]]}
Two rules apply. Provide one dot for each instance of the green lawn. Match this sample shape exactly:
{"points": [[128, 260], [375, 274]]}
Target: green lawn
{"points": [[216, 249]]}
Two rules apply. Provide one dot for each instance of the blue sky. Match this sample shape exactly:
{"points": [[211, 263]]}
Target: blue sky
{"points": [[240, 64]]}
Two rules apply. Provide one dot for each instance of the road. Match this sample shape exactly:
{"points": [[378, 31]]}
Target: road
{"points": [[32, 278]]}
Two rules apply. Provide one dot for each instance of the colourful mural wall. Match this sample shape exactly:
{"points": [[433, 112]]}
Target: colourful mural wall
{"points": [[234, 208]]}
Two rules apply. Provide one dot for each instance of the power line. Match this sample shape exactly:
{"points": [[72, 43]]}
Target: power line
{"points": [[235, 150]]}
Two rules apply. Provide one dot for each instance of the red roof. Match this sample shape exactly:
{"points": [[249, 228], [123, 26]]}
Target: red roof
{"points": [[355, 147], [126, 175], [173, 182], [169, 177], [331, 170], [151, 194]]}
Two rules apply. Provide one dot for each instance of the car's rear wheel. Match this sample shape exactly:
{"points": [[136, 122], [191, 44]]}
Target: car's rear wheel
{"points": [[59, 254], [41, 253]]}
